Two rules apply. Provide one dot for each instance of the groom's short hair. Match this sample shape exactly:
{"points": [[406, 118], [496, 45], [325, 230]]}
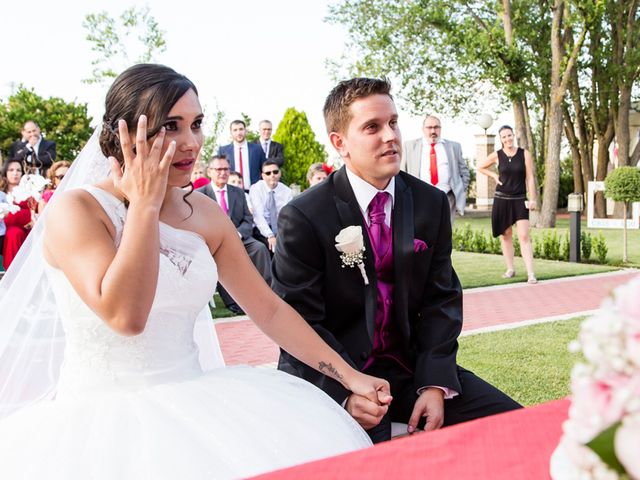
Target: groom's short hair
{"points": [[336, 107]]}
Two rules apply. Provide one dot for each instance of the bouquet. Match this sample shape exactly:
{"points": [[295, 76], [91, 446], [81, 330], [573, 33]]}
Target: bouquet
{"points": [[601, 438], [30, 186]]}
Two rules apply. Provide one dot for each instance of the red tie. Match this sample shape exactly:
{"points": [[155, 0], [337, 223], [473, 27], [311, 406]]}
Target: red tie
{"points": [[223, 203], [433, 165], [240, 160]]}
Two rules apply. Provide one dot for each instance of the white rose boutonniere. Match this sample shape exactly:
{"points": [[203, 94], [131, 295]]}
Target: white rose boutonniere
{"points": [[350, 244]]}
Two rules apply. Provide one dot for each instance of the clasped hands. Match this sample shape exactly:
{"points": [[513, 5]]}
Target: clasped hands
{"points": [[368, 412]]}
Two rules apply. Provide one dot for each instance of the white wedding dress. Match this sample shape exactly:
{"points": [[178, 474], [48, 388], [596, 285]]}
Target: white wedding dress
{"points": [[141, 407]]}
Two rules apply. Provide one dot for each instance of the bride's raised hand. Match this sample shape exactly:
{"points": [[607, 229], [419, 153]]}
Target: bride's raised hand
{"points": [[145, 173], [374, 389]]}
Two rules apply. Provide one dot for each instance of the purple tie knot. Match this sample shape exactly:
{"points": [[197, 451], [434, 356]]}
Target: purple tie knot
{"points": [[376, 208]]}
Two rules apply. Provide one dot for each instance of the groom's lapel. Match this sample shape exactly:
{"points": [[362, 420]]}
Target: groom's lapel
{"points": [[403, 229], [350, 214]]}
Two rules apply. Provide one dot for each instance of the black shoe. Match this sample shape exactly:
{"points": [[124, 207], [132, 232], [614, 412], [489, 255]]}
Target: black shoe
{"points": [[235, 308]]}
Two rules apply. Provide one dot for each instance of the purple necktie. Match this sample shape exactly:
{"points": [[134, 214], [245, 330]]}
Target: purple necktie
{"points": [[380, 233], [223, 203]]}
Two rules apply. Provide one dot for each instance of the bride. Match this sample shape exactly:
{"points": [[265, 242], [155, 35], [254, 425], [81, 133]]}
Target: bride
{"points": [[99, 372]]}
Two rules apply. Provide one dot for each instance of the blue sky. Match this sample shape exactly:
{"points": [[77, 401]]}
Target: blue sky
{"points": [[254, 57]]}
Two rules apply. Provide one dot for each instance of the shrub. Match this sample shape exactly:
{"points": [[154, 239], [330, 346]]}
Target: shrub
{"points": [[463, 238], [301, 148], [537, 246], [585, 245], [479, 242], [623, 185], [565, 248], [550, 246], [600, 248], [516, 245], [495, 246]]}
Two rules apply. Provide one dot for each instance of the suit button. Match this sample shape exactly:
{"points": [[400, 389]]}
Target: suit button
{"points": [[364, 355]]}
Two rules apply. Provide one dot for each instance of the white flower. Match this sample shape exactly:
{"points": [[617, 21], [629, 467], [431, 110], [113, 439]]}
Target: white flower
{"points": [[6, 208], [626, 444], [29, 186], [350, 244]]}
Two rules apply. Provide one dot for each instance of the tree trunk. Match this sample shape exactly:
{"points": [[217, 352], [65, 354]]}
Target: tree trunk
{"points": [[520, 124], [623, 136], [576, 161]]}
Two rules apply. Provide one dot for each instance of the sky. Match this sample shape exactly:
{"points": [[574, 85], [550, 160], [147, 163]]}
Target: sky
{"points": [[254, 57]]}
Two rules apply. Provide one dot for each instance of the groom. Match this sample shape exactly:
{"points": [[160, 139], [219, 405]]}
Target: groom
{"points": [[400, 318]]}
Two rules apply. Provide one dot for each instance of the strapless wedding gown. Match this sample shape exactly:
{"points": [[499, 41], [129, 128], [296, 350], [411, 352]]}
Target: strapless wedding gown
{"points": [[141, 407]]}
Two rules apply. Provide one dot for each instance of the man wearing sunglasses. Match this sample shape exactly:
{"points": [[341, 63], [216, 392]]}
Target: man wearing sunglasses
{"points": [[267, 197]]}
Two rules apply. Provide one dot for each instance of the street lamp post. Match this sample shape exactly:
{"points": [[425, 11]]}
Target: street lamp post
{"points": [[574, 207]]}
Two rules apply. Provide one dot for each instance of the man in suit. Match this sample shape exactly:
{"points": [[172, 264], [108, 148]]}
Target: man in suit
{"points": [[399, 314], [37, 153], [233, 202], [438, 162], [246, 158], [272, 150]]}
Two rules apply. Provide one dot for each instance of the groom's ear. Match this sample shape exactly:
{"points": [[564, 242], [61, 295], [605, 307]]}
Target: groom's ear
{"points": [[339, 143]]}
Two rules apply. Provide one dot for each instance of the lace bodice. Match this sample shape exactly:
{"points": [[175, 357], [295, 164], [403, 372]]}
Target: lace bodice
{"points": [[98, 358]]}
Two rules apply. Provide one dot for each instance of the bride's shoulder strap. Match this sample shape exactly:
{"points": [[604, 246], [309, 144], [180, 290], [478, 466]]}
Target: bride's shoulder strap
{"points": [[113, 207]]}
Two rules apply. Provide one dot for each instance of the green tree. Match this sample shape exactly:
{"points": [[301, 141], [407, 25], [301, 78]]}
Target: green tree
{"points": [[133, 37], [301, 148], [66, 123], [216, 120], [623, 185]]}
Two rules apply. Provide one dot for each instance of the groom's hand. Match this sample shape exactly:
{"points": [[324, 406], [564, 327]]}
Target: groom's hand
{"points": [[430, 404], [367, 413]]}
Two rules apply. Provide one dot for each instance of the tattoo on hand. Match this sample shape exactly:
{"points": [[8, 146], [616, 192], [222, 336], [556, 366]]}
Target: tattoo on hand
{"points": [[329, 369]]}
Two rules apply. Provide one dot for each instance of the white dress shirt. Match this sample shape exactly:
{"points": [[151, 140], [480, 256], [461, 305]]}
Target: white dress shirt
{"points": [[259, 193], [443, 164], [265, 146], [365, 192]]}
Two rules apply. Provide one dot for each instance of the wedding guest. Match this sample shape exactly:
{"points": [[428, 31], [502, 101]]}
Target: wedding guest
{"points": [[393, 306], [36, 152], [233, 203], [55, 175], [272, 149], [268, 196], [198, 177], [17, 224], [246, 158], [236, 180], [3, 228], [510, 206], [438, 162], [316, 173]]}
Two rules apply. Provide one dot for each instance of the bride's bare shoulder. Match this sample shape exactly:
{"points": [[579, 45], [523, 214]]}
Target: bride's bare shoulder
{"points": [[75, 208]]}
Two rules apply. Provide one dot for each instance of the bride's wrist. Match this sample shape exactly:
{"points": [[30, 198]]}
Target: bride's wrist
{"points": [[343, 375]]}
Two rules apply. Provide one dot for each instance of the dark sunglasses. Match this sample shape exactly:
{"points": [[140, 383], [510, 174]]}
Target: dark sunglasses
{"points": [[268, 174]]}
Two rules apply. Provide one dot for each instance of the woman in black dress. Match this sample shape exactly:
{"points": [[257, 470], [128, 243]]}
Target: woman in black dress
{"points": [[510, 206]]}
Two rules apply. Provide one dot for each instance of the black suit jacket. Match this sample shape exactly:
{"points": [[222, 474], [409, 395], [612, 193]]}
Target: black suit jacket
{"points": [[46, 152], [238, 209], [308, 274], [276, 152]]}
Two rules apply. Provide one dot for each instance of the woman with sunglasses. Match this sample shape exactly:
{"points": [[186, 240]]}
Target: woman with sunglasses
{"points": [[55, 174], [268, 196]]}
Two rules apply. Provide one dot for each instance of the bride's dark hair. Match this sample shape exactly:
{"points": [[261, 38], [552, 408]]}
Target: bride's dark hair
{"points": [[144, 89]]}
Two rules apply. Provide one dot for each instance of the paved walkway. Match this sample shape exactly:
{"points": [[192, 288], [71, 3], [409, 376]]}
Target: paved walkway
{"points": [[488, 308]]}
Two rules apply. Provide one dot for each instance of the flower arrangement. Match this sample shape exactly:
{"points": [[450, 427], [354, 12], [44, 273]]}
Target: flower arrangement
{"points": [[350, 244], [602, 435], [30, 186]]}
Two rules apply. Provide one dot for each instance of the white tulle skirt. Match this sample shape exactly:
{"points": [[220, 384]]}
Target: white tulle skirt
{"points": [[228, 423]]}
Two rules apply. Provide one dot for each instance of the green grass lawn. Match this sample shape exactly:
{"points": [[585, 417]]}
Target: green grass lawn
{"points": [[612, 236], [531, 364], [481, 269]]}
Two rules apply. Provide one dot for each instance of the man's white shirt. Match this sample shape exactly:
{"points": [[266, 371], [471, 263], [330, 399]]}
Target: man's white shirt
{"points": [[442, 160], [258, 193]]}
